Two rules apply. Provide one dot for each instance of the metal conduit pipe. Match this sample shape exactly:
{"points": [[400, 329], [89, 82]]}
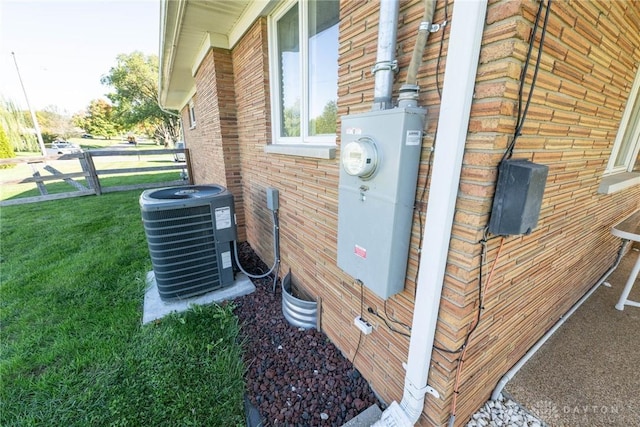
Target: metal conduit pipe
{"points": [[386, 63], [408, 96], [421, 42], [510, 374]]}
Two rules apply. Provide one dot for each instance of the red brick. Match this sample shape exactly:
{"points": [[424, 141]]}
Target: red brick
{"points": [[574, 115]]}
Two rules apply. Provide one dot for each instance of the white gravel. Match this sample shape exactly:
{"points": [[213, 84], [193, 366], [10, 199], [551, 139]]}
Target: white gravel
{"points": [[503, 412]]}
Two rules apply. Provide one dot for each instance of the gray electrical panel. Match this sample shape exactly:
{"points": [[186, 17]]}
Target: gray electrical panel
{"points": [[518, 198], [380, 156]]}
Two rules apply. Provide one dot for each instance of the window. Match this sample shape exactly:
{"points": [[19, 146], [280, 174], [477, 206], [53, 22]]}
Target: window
{"points": [[623, 169], [303, 39], [192, 115], [625, 150]]}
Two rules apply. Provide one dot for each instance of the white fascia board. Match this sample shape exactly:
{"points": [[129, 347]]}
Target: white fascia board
{"points": [[172, 13], [248, 17]]}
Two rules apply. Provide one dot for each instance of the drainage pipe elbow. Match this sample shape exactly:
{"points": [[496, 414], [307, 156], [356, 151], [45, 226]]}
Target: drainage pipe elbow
{"points": [[412, 402]]}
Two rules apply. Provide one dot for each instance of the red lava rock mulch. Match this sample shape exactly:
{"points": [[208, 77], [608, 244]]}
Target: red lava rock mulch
{"points": [[294, 376]]}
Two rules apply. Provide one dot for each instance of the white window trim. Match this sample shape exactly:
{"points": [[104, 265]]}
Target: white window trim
{"points": [[621, 177], [297, 143], [192, 115], [303, 150]]}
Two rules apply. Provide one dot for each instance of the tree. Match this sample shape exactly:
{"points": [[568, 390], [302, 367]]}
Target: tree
{"points": [[54, 122], [327, 122], [99, 119], [17, 127], [135, 100], [291, 119], [6, 151]]}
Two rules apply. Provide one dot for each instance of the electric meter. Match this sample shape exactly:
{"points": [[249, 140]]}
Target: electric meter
{"points": [[360, 158]]}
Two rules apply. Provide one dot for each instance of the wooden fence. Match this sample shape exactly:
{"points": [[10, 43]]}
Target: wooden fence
{"points": [[91, 174]]}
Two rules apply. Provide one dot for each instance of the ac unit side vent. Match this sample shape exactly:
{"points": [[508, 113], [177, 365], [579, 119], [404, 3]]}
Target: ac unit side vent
{"points": [[179, 224], [182, 242], [186, 271], [201, 258], [150, 217], [177, 212], [187, 240], [173, 291], [173, 231], [172, 279], [168, 253], [184, 268]]}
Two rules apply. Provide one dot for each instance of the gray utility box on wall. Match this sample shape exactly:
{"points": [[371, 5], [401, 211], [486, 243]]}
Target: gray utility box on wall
{"points": [[380, 156], [518, 198]]}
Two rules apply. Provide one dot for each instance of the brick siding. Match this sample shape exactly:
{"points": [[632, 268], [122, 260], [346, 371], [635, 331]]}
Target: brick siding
{"points": [[213, 142], [589, 62], [587, 69]]}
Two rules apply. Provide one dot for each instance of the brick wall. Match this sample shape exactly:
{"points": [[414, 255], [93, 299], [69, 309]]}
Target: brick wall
{"points": [[213, 142], [587, 69], [250, 71], [308, 212]]}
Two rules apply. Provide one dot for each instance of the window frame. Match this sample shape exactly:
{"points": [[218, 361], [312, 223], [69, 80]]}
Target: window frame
{"points": [[192, 114], [630, 160], [274, 73], [619, 178]]}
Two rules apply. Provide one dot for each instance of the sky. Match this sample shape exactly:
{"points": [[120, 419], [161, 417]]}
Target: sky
{"points": [[64, 47]]}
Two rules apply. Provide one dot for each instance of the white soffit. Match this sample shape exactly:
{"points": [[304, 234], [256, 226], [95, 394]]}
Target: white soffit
{"points": [[203, 24]]}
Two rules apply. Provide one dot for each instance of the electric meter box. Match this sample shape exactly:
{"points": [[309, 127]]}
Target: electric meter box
{"points": [[380, 156], [518, 198]]}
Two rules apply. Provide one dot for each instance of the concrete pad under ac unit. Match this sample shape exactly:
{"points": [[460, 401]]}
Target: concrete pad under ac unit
{"points": [[154, 308]]}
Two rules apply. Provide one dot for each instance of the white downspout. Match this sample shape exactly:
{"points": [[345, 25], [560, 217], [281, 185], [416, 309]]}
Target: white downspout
{"points": [[459, 82]]}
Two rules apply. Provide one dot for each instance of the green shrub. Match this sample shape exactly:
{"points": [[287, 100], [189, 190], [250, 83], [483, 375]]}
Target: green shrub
{"points": [[6, 152]]}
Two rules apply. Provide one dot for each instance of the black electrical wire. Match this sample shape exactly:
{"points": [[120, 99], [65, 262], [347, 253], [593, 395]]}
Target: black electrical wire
{"points": [[522, 112], [521, 117], [423, 190], [483, 255], [444, 23], [391, 328], [393, 320]]}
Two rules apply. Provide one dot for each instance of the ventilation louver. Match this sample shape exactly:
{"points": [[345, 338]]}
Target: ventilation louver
{"points": [[190, 230]]}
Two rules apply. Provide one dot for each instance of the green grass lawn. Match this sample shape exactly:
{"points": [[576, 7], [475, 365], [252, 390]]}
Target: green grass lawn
{"points": [[73, 351]]}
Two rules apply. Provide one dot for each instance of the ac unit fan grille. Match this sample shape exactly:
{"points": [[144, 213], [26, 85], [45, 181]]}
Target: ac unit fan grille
{"points": [[183, 251]]}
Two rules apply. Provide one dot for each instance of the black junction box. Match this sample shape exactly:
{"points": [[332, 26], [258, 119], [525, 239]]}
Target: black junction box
{"points": [[516, 204]]}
